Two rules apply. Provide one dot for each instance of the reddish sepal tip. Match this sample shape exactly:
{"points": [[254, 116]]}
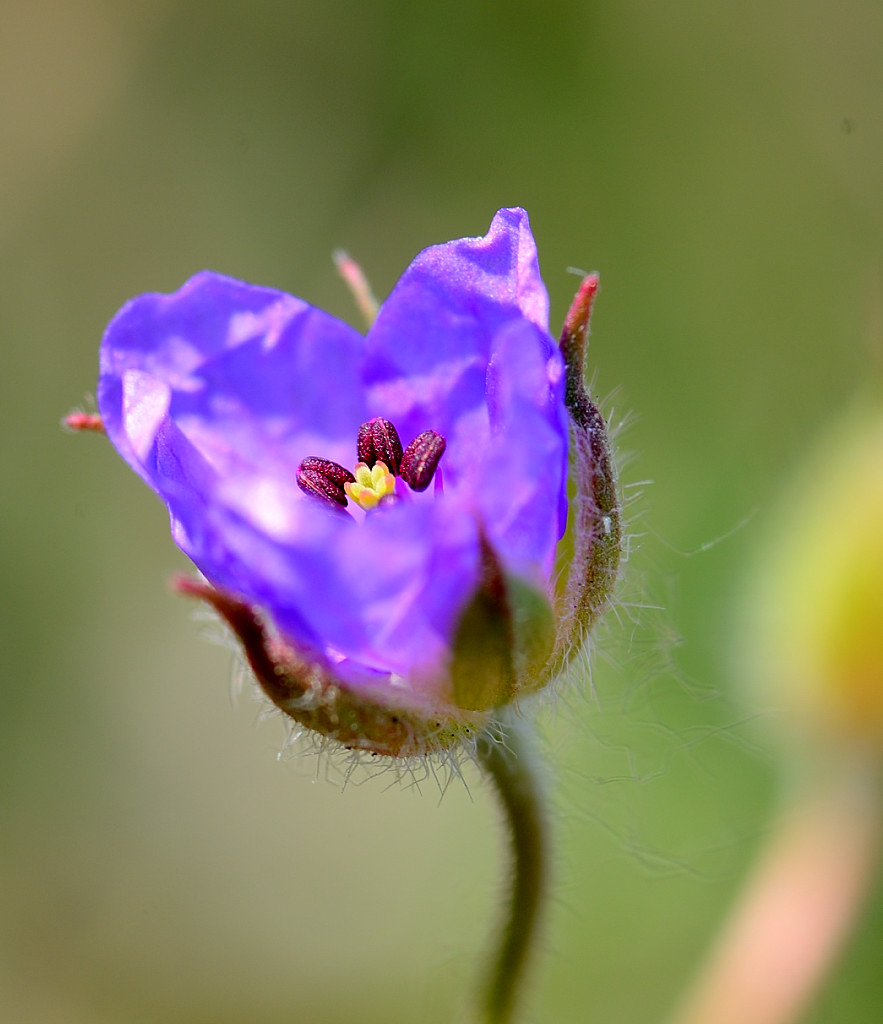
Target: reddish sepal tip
{"points": [[84, 421]]}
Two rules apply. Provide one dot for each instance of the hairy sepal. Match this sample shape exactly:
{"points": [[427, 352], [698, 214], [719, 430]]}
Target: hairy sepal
{"points": [[306, 689], [596, 508]]}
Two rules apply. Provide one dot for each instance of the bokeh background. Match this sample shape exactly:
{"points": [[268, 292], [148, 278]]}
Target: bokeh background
{"points": [[720, 164]]}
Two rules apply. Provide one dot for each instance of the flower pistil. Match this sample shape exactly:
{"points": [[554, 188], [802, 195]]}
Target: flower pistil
{"points": [[371, 486]]}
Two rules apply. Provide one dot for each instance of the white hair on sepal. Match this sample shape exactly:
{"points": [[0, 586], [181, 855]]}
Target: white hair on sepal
{"points": [[343, 767]]}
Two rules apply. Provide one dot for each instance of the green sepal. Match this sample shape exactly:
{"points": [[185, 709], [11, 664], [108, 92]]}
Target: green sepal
{"points": [[483, 663], [503, 639], [534, 628], [595, 512]]}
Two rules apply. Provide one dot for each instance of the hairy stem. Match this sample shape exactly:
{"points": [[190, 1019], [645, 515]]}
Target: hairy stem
{"points": [[512, 766]]}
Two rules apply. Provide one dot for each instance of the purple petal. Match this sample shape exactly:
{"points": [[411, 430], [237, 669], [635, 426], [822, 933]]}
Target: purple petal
{"points": [[426, 356], [215, 394], [383, 593], [522, 480], [461, 347], [254, 377]]}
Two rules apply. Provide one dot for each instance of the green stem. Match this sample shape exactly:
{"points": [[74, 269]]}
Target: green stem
{"points": [[512, 766]]}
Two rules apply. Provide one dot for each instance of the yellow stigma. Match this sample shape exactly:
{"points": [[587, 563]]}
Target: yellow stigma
{"points": [[371, 485]]}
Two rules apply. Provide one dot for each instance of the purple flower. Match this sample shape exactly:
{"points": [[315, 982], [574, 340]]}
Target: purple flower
{"points": [[232, 401]]}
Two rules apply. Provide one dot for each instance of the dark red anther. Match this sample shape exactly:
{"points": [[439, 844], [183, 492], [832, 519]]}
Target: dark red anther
{"points": [[379, 442], [420, 459], [323, 479]]}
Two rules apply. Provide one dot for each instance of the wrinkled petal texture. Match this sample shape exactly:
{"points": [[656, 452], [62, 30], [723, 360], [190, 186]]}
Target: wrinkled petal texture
{"points": [[215, 394]]}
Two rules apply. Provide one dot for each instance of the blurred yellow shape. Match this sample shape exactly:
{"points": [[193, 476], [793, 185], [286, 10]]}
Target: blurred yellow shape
{"points": [[817, 610]]}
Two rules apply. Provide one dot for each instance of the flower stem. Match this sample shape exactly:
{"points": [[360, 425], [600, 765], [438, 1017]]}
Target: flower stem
{"points": [[507, 756]]}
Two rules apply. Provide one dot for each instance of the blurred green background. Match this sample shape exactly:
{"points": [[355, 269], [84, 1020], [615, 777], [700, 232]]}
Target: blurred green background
{"points": [[720, 164]]}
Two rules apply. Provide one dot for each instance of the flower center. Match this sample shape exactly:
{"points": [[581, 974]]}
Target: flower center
{"points": [[380, 460], [371, 486]]}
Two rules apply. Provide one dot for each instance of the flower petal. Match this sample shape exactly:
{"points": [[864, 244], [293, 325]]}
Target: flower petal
{"points": [[462, 347], [522, 479], [384, 593], [213, 395], [247, 371], [426, 355]]}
